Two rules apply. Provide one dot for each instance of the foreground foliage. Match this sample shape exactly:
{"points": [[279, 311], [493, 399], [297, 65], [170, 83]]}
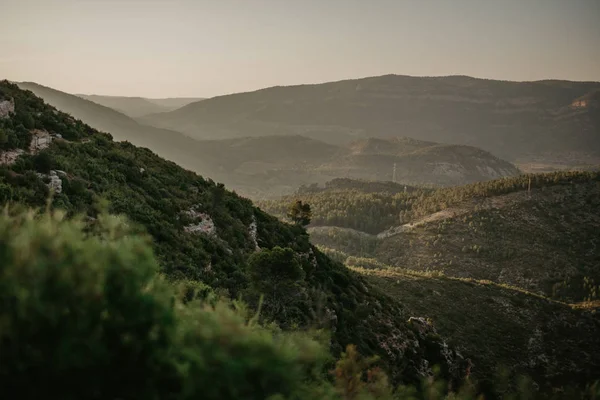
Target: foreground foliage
{"points": [[84, 315]]}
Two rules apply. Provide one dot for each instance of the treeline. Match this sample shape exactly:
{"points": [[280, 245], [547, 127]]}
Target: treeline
{"points": [[374, 212]]}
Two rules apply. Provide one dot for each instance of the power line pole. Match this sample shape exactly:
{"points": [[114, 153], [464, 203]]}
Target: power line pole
{"points": [[394, 174]]}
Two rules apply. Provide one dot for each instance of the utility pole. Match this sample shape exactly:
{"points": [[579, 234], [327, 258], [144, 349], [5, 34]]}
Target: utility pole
{"points": [[529, 183], [394, 174]]}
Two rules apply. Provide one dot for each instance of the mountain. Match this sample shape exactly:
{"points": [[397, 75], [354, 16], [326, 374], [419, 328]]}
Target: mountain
{"points": [[273, 165], [510, 275], [265, 166], [542, 124], [169, 144], [544, 240], [207, 238], [419, 162], [499, 324], [136, 107]]}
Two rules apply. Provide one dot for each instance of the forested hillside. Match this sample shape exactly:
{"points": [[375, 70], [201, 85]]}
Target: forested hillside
{"points": [[208, 236], [494, 263], [546, 123], [544, 241]]}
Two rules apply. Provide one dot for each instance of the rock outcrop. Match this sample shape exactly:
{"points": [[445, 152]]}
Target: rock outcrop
{"points": [[202, 223], [7, 107]]}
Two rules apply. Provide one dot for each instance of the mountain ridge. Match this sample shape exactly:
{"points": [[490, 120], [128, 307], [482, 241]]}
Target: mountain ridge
{"points": [[137, 106], [514, 120]]}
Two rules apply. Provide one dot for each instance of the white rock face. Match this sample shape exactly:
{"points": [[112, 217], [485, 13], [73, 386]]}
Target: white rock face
{"points": [[55, 183], [7, 107], [39, 140], [9, 157], [203, 223], [253, 231]]}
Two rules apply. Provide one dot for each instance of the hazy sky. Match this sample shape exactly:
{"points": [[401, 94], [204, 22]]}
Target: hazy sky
{"points": [[208, 47]]}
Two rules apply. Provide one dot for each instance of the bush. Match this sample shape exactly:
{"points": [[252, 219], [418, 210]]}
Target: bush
{"points": [[85, 316]]}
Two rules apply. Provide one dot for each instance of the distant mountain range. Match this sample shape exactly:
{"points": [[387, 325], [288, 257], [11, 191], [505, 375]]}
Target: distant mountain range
{"points": [[136, 107], [263, 166], [541, 124], [268, 165]]}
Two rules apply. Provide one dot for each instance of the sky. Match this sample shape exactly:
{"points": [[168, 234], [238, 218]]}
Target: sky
{"points": [[204, 48]]}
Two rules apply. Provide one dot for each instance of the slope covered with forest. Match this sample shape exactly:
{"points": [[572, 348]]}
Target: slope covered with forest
{"points": [[511, 275], [544, 240], [499, 325], [549, 123], [211, 239], [168, 144]]}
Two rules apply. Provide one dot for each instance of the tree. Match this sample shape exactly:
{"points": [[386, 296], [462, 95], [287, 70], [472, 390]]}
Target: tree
{"points": [[278, 276], [300, 213]]}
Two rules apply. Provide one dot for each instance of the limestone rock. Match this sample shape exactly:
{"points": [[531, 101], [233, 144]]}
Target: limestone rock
{"points": [[7, 107]]}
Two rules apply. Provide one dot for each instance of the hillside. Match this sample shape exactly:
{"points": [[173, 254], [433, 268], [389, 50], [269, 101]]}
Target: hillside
{"points": [[136, 107], [418, 162], [499, 325], [273, 165], [267, 166], [211, 239], [168, 144], [545, 241], [544, 121]]}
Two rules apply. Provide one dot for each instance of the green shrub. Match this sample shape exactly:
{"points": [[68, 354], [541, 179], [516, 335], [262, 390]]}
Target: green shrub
{"points": [[85, 316]]}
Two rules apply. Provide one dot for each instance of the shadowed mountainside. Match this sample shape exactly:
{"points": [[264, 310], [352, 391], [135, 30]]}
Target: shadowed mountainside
{"points": [[551, 122], [136, 107]]}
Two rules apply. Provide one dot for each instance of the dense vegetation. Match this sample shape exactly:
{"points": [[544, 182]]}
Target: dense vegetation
{"points": [[358, 206], [499, 325], [544, 241], [86, 316], [169, 203]]}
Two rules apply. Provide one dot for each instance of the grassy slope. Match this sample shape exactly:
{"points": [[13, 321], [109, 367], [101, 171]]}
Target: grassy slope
{"points": [[510, 119], [155, 194]]}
